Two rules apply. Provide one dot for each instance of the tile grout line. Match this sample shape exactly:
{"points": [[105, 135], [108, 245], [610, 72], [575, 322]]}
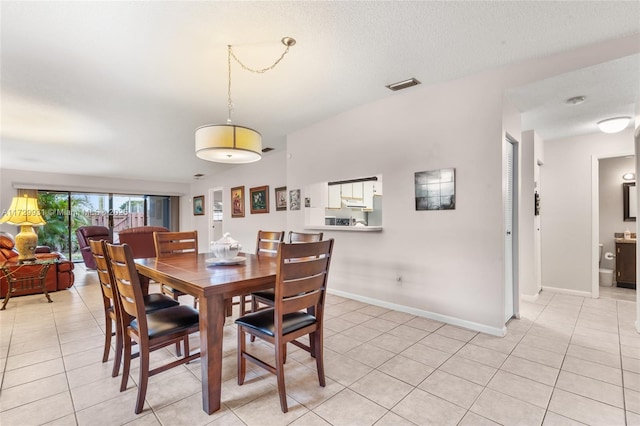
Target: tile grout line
{"points": [[564, 357], [624, 393]]}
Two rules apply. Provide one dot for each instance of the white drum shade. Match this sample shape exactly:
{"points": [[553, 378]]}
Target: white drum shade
{"points": [[226, 143]]}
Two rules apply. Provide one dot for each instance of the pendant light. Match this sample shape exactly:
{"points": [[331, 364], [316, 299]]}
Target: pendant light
{"points": [[229, 143]]}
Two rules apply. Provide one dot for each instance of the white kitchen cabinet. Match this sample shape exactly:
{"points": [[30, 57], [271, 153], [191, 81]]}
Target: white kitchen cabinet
{"points": [[367, 195], [347, 190], [334, 201], [357, 191]]}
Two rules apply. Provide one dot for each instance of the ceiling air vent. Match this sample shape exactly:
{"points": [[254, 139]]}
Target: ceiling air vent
{"points": [[267, 149], [403, 84]]}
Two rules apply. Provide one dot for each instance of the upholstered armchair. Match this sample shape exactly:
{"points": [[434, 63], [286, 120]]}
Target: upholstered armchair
{"points": [[60, 276], [86, 233], [140, 239]]}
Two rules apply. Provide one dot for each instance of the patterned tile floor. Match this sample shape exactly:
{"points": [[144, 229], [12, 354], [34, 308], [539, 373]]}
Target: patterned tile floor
{"points": [[568, 360]]}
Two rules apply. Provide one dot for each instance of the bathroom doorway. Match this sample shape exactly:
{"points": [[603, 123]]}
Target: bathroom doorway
{"points": [[615, 174]]}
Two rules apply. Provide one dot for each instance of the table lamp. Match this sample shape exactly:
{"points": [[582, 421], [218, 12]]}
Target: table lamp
{"points": [[24, 212]]}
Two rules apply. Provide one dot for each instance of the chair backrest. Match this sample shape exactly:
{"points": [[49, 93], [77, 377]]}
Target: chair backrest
{"points": [[88, 233], [105, 277], [140, 239], [176, 243], [268, 242], [301, 278], [127, 282], [304, 237]]}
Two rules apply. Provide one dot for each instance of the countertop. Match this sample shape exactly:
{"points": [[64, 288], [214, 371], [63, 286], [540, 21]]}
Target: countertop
{"points": [[625, 240], [344, 228]]}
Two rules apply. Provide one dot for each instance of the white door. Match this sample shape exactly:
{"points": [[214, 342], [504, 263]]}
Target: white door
{"points": [[508, 236], [215, 232]]}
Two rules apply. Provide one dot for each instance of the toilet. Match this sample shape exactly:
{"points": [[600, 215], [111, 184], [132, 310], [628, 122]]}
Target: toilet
{"points": [[606, 275]]}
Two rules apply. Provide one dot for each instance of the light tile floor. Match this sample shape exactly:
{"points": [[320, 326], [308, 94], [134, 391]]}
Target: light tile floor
{"points": [[568, 360]]}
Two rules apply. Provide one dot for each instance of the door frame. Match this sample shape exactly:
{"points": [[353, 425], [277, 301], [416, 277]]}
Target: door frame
{"points": [[515, 258], [210, 214], [595, 220]]}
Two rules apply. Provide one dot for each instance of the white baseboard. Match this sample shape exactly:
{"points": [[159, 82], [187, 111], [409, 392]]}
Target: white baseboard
{"points": [[494, 331], [567, 291]]}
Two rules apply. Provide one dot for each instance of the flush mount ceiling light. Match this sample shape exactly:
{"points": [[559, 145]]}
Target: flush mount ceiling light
{"points": [[229, 143], [614, 125], [629, 176]]}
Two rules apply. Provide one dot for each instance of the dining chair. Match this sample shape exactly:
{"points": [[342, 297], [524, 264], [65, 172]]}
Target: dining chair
{"points": [[301, 282], [172, 244], [111, 304], [266, 246], [140, 239], [266, 297], [151, 331], [304, 237]]}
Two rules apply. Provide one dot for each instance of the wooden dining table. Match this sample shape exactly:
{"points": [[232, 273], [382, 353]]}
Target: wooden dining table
{"points": [[212, 285]]}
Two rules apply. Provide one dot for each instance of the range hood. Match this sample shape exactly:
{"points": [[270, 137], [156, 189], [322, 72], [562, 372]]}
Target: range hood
{"points": [[353, 204]]}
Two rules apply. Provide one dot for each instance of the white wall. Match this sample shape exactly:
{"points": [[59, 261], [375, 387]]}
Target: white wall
{"points": [[529, 253], [450, 261], [271, 171], [611, 202], [567, 206]]}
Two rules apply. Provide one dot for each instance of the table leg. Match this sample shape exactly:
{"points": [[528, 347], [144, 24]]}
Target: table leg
{"points": [[43, 281], [212, 310], [46, 293], [6, 298], [7, 275]]}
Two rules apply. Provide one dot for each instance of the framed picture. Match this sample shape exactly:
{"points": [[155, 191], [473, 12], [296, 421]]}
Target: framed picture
{"points": [[436, 189], [198, 205], [237, 201], [294, 199], [259, 199], [281, 198]]}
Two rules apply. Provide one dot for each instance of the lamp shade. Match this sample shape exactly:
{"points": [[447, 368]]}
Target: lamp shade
{"points": [[614, 125], [23, 211], [227, 143]]}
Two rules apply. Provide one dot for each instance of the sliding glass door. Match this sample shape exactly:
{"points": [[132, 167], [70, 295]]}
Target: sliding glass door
{"points": [[66, 211]]}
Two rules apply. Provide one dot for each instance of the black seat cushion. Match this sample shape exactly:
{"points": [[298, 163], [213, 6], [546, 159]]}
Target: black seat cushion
{"points": [[169, 320], [155, 301], [263, 321], [265, 294]]}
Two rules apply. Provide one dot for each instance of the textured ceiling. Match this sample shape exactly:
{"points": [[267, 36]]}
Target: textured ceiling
{"points": [[611, 89], [95, 87]]}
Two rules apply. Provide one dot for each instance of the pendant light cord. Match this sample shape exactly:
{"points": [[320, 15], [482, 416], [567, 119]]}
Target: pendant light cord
{"points": [[287, 41]]}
